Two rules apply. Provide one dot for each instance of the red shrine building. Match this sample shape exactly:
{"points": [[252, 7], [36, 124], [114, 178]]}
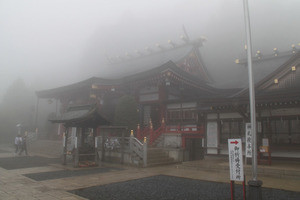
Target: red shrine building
{"points": [[180, 108]]}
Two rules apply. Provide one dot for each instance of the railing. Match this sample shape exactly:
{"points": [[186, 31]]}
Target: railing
{"points": [[137, 147], [155, 134], [182, 129], [144, 133], [32, 136], [140, 149], [196, 131]]}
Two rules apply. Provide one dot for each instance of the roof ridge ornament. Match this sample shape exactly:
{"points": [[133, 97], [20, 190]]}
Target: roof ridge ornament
{"points": [[150, 51], [260, 57]]}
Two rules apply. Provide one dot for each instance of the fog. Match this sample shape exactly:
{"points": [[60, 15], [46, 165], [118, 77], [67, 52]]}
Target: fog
{"points": [[53, 43]]}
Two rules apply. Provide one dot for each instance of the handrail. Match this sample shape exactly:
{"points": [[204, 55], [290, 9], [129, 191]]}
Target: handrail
{"points": [[137, 147], [138, 141], [143, 133], [155, 134], [178, 129]]}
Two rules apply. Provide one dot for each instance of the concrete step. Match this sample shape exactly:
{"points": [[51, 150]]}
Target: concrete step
{"points": [[163, 159], [157, 156], [161, 163]]}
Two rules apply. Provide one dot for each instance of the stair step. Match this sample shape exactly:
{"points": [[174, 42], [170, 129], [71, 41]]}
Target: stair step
{"points": [[161, 163]]}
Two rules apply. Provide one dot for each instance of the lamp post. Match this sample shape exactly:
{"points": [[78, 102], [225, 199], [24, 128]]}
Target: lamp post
{"points": [[254, 184]]}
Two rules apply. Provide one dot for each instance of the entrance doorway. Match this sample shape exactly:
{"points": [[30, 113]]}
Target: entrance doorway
{"points": [[194, 148]]}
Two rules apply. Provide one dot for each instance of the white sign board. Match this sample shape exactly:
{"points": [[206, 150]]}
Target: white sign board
{"points": [[265, 142], [96, 142], [235, 160], [248, 146], [212, 134]]}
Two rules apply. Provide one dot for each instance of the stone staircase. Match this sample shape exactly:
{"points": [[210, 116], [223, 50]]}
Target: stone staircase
{"points": [[157, 156], [158, 142]]}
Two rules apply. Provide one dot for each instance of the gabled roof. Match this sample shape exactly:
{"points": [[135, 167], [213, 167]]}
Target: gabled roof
{"points": [[171, 72], [85, 84], [180, 54], [265, 70], [81, 116], [283, 73], [169, 66]]}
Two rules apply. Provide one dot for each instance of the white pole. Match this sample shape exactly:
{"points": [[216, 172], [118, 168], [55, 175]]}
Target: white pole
{"points": [[251, 91]]}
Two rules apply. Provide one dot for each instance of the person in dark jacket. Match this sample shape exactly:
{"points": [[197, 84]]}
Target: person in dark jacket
{"points": [[24, 144]]}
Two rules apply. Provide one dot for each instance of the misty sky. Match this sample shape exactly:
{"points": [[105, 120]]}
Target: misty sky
{"points": [[50, 43]]}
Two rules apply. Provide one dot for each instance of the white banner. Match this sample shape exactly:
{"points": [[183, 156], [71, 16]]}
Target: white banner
{"points": [[64, 140], [96, 142], [248, 146], [75, 142], [235, 160], [212, 134]]}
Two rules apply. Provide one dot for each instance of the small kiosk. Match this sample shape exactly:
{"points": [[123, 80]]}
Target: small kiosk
{"points": [[264, 154], [81, 123]]}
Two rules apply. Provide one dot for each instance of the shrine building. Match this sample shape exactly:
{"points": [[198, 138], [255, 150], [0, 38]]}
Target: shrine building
{"points": [[182, 111]]}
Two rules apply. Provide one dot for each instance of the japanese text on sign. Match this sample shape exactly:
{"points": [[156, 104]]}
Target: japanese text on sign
{"points": [[248, 146], [235, 160]]}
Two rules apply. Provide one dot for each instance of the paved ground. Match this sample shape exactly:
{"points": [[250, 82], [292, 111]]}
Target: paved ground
{"points": [[175, 188], [15, 185]]}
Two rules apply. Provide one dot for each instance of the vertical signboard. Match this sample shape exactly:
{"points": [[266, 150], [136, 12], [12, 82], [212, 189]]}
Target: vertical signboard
{"points": [[235, 160], [248, 146], [212, 134], [73, 135]]}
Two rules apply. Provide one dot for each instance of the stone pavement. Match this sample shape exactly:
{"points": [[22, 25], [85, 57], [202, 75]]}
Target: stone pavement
{"points": [[14, 185]]}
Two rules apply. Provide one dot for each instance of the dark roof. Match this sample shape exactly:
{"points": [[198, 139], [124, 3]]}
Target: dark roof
{"points": [[170, 65], [264, 69], [81, 116], [86, 84], [149, 61]]}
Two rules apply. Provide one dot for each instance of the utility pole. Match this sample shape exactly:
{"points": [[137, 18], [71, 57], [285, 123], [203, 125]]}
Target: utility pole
{"points": [[254, 184]]}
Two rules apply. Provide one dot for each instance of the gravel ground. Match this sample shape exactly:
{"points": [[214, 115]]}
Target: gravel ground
{"points": [[175, 188], [19, 162], [68, 173]]}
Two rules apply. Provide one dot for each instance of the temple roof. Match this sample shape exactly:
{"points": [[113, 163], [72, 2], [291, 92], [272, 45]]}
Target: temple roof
{"points": [[178, 53], [267, 70], [85, 84], [176, 74], [81, 116]]}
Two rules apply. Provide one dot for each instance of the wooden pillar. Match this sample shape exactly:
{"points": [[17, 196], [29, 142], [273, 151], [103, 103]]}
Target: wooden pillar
{"points": [[219, 132], [290, 130], [76, 159], [65, 146], [122, 147], [103, 146], [95, 145], [162, 93]]}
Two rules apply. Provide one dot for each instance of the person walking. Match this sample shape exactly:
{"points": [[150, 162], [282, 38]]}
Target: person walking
{"points": [[18, 143], [24, 144]]}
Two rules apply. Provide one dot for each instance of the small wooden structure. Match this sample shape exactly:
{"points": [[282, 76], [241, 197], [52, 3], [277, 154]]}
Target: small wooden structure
{"points": [[113, 139], [83, 122]]}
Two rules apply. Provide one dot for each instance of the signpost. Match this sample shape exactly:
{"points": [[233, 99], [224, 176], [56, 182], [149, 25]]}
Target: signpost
{"points": [[235, 163], [248, 146], [235, 159]]}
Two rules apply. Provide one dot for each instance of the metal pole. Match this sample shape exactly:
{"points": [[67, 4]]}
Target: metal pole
{"points": [[251, 91], [255, 192]]}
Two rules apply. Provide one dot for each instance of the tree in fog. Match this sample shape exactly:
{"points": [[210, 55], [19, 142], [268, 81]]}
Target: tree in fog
{"points": [[126, 113], [17, 107]]}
